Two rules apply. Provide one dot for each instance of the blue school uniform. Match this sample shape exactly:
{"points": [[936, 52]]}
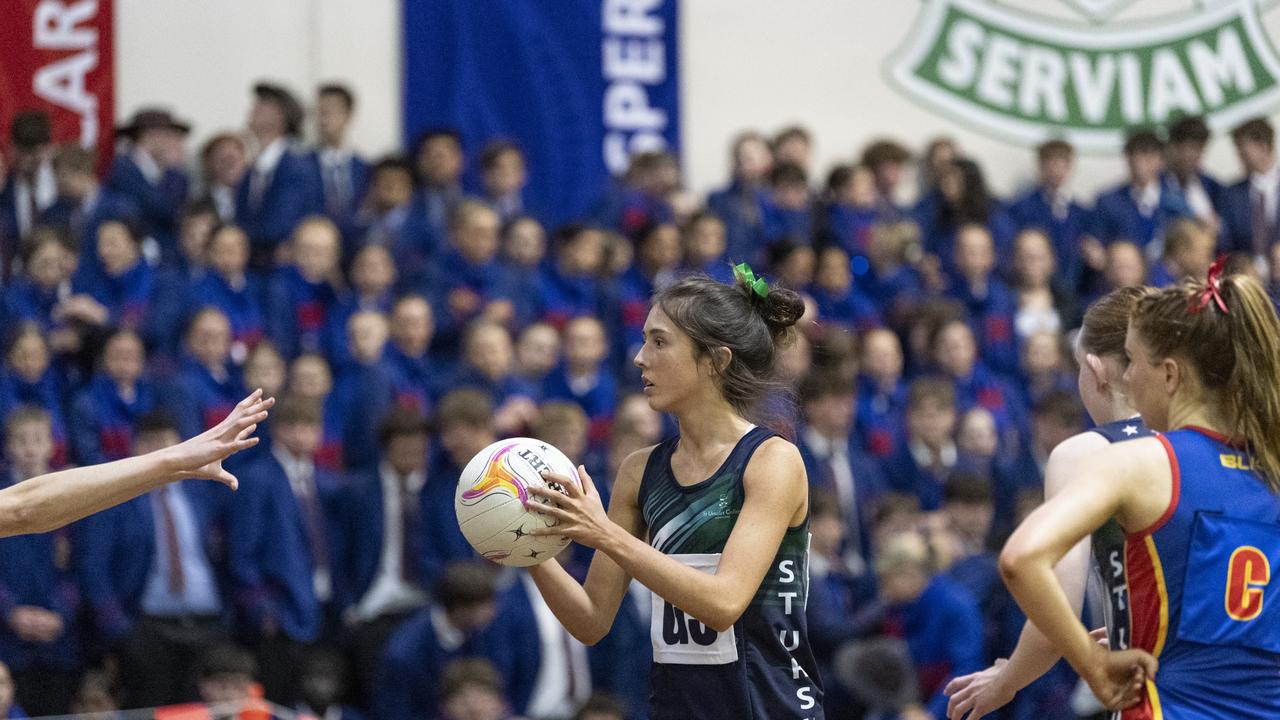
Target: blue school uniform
{"points": [[994, 393], [442, 539], [358, 509], [939, 231], [778, 223], [738, 207], [489, 281], [415, 381], [943, 630], [849, 309], [159, 204], [242, 305], [127, 297], [1237, 213], [1116, 216], [565, 297], [37, 571], [628, 211], [407, 684], [341, 188], [269, 556], [80, 219], [197, 400], [286, 196], [361, 398], [336, 325], [46, 393], [851, 226], [299, 311], [992, 317], [102, 421], [879, 424], [598, 401], [27, 302], [1034, 209]]}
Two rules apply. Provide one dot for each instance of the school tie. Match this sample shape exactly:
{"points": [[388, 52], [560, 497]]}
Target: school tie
{"points": [[408, 528], [314, 520], [1258, 210], [176, 578]]}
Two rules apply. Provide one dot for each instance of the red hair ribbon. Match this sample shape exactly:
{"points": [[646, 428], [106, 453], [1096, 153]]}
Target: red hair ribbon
{"points": [[1211, 290]]}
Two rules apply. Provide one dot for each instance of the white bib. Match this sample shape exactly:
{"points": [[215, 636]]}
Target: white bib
{"points": [[678, 638]]}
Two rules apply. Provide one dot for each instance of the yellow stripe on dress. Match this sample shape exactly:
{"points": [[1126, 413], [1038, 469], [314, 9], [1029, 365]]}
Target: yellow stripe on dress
{"points": [[1162, 593]]}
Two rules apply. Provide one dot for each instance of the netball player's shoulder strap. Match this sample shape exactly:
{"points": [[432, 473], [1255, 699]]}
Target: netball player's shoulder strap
{"points": [[1126, 429], [655, 469], [754, 438]]}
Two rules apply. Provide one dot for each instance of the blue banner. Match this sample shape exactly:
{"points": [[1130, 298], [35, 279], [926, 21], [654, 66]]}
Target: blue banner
{"points": [[579, 85]]}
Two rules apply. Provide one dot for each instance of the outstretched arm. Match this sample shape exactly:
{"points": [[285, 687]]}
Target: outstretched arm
{"points": [[1131, 482], [50, 501]]}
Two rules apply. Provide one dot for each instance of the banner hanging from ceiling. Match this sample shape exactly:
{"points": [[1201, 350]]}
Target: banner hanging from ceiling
{"points": [[579, 85], [57, 56]]}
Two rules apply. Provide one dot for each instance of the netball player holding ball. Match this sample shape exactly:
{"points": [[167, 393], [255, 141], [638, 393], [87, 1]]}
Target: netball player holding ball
{"points": [[1199, 508], [1100, 355], [714, 521]]}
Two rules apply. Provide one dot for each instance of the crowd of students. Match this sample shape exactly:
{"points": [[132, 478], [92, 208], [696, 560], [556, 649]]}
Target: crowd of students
{"points": [[409, 311]]}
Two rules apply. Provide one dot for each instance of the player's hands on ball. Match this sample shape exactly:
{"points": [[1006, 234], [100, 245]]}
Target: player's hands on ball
{"points": [[578, 511], [1117, 678]]}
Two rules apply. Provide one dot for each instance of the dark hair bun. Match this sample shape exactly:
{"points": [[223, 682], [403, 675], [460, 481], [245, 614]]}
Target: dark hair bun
{"points": [[781, 308]]}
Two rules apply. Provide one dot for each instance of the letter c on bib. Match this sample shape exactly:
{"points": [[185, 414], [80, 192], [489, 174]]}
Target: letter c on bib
{"points": [[1248, 572]]}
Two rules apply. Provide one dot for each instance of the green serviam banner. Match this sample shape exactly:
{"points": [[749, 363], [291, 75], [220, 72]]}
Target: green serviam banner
{"points": [[1027, 78]]}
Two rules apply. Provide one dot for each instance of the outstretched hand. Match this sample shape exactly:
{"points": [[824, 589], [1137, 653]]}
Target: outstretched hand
{"points": [[202, 455], [578, 511]]}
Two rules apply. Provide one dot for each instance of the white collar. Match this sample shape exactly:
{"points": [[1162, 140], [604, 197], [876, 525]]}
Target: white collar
{"points": [[1268, 181], [150, 168], [270, 156], [413, 483], [821, 443], [924, 456]]}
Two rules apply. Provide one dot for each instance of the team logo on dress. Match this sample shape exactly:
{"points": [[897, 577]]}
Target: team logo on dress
{"points": [[499, 476], [1030, 76]]}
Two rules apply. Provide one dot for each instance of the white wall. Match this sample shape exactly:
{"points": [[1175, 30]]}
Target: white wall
{"points": [[745, 64], [201, 59]]}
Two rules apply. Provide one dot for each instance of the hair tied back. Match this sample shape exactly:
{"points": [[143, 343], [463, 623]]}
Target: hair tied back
{"points": [[1212, 289]]}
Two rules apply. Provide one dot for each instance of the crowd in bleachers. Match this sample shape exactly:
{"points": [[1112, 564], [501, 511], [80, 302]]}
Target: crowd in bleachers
{"points": [[409, 311]]}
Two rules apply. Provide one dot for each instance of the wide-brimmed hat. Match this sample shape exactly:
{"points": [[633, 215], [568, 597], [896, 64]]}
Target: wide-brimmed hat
{"points": [[283, 99], [878, 673], [151, 119]]}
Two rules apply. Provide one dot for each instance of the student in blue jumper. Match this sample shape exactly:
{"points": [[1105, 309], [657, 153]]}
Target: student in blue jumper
{"points": [[229, 286], [207, 384], [438, 162], [524, 245], [465, 422], [850, 210], [47, 266], [30, 378], [641, 195], [148, 573], [151, 173], [537, 353], [1184, 162], [787, 211], [488, 364], [123, 289], [962, 198], [584, 377], [882, 393], [277, 191], [383, 219], [841, 304], [271, 567], [925, 459], [470, 282], [504, 177], [569, 287], [988, 302], [380, 581], [887, 160], [1051, 207], [175, 282], [363, 389], [373, 278], [703, 238], [416, 378], [305, 292], [738, 204], [1189, 247], [1141, 207], [454, 625], [937, 617], [312, 377], [339, 173], [955, 355], [892, 279], [104, 413], [83, 204], [657, 259], [39, 600], [1250, 211]]}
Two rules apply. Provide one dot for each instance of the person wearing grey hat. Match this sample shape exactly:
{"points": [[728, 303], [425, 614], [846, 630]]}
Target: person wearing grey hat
{"points": [[279, 188], [150, 172]]}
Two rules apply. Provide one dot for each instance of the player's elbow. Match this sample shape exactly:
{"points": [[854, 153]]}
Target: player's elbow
{"points": [[588, 634], [1013, 562], [725, 614]]}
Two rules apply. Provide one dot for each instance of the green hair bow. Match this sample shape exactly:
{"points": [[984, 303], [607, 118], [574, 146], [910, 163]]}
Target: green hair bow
{"points": [[757, 284]]}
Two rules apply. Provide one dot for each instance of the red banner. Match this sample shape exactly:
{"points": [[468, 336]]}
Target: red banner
{"points": [[57, 55]]}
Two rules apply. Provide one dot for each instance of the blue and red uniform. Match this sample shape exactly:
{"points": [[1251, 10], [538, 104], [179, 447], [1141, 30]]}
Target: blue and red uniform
{"points": [[242, 305], [299, 312], [1199, 579]]}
